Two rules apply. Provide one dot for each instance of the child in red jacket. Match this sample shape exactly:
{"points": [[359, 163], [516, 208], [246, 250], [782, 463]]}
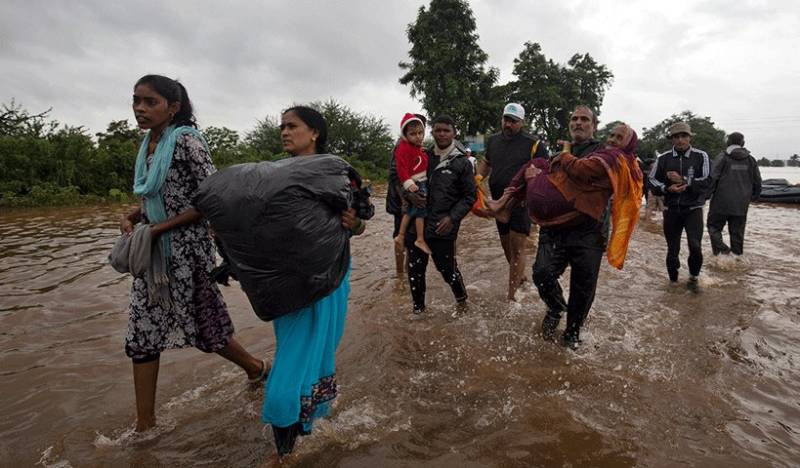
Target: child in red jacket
{"points": [[412, 168]]}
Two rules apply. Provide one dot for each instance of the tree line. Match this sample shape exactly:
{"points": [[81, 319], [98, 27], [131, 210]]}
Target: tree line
{"points": [[793, 161], [43, 162]]}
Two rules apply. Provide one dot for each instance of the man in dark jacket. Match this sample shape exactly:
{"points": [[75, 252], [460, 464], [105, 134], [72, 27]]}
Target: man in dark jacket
{"points": [[506, 153], [683, 176], [394, 206], [579, 245], [736, 180], [451, 193]]}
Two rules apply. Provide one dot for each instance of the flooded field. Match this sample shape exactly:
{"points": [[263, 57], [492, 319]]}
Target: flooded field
{"points": [[664, 378]]}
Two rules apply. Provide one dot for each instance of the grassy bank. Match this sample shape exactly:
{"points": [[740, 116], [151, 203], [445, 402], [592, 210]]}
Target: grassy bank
{"points": [[52, 195]]}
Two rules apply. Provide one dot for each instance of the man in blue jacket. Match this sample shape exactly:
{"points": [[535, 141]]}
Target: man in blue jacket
{"points": [[682, 175]]}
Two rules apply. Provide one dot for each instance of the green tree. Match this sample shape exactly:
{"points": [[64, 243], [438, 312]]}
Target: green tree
{"points": [[549, 91], [707, 136], [362, 137], [265, 139], [16, 121], [364, 140], [777, 163], [220, 139], [227, 149], [115, 158], [25, 149], [794, 161], [764, 162], [447, 70]]}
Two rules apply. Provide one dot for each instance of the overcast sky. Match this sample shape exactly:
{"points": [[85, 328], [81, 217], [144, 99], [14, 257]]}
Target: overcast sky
{"points": [[735, 61]]}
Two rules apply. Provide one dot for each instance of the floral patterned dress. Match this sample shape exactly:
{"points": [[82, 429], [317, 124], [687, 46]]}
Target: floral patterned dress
{"points": [[198, 315]]}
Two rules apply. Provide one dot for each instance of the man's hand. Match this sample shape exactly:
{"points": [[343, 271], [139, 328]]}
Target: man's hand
{"points": [[444, 226], [674, 177], [416, 199], [678, 188]]}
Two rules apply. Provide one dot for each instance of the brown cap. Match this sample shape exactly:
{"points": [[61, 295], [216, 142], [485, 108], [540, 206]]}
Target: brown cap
{"points": [[679, 127]]}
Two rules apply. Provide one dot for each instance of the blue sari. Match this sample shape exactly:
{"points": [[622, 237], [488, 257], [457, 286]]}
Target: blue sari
{"points": [[301, 383]]}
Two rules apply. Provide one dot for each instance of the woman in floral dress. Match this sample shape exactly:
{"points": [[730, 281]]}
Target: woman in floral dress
{"points": [[185, 308]]}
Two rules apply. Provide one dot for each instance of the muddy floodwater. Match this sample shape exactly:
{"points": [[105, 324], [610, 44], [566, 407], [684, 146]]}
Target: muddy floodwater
{"points": [[664, 378]]}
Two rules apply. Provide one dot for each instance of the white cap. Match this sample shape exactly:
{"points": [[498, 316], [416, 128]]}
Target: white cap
{"points": [[514, 110]]}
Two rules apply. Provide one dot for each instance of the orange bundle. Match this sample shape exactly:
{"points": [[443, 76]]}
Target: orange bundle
{"points": [[479, 207]]}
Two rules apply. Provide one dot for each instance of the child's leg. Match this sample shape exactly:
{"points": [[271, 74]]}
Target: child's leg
{"points": [[420, 243], [401, 235]]}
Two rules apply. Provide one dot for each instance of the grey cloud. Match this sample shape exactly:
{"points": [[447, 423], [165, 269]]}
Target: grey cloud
{"points": [[245, 60]]}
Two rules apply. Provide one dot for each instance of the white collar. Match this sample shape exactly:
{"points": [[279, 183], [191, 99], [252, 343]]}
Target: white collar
{"points": [[730, 149]]}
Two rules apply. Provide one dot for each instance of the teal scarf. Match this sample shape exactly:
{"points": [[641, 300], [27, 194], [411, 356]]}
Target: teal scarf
{"points": [[148, 183]]}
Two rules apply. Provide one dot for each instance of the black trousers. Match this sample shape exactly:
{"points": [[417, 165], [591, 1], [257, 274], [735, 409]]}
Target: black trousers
{"points": [[444, 257], [676, 220], [736, 225], [582, 249]]}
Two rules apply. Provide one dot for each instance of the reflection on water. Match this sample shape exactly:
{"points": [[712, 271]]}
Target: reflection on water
{"points": [[665, 377]]}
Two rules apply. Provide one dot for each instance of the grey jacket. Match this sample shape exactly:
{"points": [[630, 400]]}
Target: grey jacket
{"points": [[736, 180]]}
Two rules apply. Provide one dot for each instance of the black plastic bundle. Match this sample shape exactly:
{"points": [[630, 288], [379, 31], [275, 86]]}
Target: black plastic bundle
{"points": [[280, 225]]}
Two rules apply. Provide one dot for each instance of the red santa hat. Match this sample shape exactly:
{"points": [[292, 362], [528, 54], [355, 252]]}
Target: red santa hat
{"points": [[407, 119]]}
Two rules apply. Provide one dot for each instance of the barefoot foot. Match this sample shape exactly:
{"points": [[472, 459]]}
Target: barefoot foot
{"points": [[423, 246]]}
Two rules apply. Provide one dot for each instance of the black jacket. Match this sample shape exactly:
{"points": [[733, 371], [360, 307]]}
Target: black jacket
{"points": [[736, 180], [695, 168], [394, 205], [451, 192]]}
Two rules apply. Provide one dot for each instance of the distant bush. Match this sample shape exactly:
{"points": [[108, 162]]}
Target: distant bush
{"points": [[43, 162]]}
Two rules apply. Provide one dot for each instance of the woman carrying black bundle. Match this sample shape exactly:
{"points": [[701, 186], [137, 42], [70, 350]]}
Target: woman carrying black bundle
{"points": [[301, 383], [174, 304]]}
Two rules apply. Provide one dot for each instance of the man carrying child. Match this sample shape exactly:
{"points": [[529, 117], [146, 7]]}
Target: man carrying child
{"points": [[451, 193]]}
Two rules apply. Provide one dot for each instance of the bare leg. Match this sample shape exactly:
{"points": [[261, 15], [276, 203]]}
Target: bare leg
{"points": [[516, 262], [235, 353], [420, 242], [400, 259], [145, 377], [401, 234], [648, 207]]}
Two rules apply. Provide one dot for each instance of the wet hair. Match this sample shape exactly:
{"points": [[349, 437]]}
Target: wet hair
{"points": [[444, 119], [315, 121], [595, 122], [172, 91], [736, 138], [411, 125]]}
